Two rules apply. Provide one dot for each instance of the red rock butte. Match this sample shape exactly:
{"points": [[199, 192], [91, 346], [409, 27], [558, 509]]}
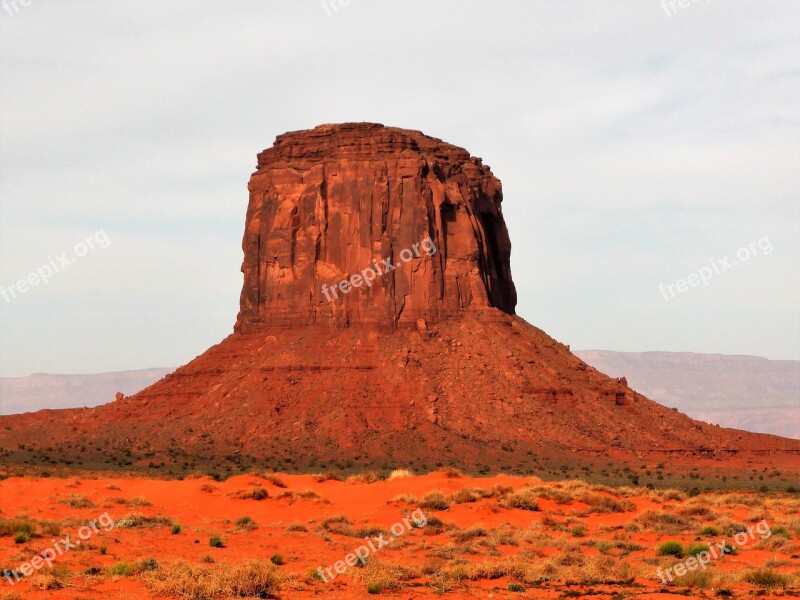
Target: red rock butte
{"points": [[426, 366], [345, 199]]}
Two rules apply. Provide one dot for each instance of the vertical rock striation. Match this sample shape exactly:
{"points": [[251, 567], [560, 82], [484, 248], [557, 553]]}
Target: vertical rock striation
{"points": [[341, 200]]}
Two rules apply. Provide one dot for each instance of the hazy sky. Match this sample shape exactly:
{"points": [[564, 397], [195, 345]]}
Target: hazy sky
{"points": [[637, 144]]}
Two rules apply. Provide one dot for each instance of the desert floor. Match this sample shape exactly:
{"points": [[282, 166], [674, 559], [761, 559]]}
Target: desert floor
{"points": [[488, 537]]}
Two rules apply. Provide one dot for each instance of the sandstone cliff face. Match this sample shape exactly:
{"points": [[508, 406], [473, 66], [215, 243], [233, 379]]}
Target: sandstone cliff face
{"points": [[356, 199]]}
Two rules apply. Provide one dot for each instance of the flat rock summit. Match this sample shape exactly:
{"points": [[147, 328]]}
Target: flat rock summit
{"points": [[377, 330]]}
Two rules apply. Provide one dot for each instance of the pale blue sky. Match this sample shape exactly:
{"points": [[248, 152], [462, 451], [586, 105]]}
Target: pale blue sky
{"points": [[633, 146]]}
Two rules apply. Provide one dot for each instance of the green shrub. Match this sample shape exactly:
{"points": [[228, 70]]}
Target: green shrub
{"points": [[375, 587], [277, 559], [781, 531], [516, 587], [21, 537], [695, 549], [709, 530], [671, 548], [216, 542], [176, 528]]}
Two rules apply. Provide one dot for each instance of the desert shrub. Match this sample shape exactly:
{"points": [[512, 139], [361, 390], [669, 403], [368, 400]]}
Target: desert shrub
{"points": [[50, 528], [329, 476], [462, 535], [699, 578], [138, 501], [524, 499], [136, 519], [370, 477], [77, 501], [697, 510], [144, 565], [21, 537], [603, 547], [274, 480], [343, 526], [767, 578], [516, 587], [120, 569], [246, 523], [464, 496], [781, 531], [176, 528], [671, 548], [434, 501], [601, 503], [452, 473], [277, 559], [12, 527], [662, 522], [729, 527], [696, 549], [379, 575], [376, 587], [46, 581], [306, 495], [400, 473], [256, 493], [709, 530], [252, 579], [216, 542], [296, 526], [578, 531], [503, 537], [208, 488]]}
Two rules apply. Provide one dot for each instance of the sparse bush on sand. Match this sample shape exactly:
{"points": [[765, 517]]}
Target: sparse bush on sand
{"points": [[671, 548], [662, 522], [252, 579]]}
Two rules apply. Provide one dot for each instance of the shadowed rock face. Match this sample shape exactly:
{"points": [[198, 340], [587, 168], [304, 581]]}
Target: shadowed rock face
{"points": [[358, 199]]}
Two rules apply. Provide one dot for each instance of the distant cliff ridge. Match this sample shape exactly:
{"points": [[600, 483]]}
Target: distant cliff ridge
{"points": [[41, 390], [745, 392]]}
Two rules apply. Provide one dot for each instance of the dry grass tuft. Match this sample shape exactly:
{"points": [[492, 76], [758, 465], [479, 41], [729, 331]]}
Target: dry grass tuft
{"points": [[400, 474], [379, 575], [662, 522], [77, 501], [255, 578], [370, 477], [328, 476], [274, 480]]}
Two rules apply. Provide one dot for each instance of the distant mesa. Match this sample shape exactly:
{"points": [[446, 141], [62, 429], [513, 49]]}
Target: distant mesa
{"points": [[426, 366]]}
